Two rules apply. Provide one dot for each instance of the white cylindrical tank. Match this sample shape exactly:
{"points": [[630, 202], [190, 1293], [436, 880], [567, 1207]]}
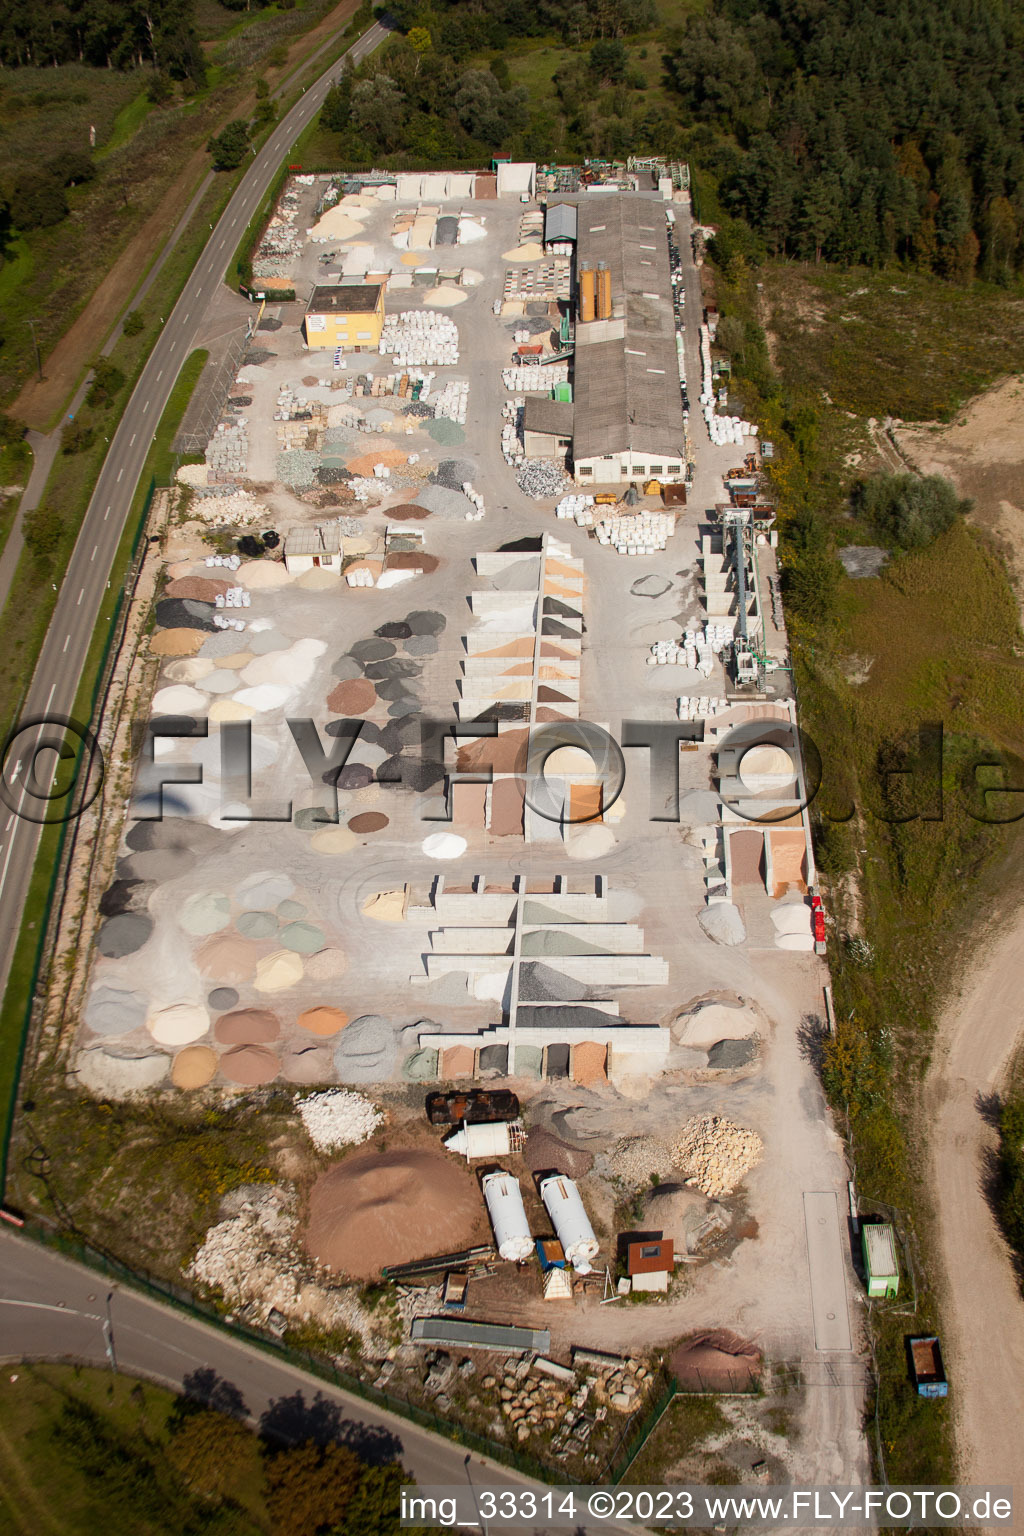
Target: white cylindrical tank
{"points": [[564, 1205], [490, 1139], [508, 1216]]}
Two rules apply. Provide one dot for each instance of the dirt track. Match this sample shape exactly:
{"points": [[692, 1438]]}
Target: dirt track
{"points": [[985, 1311]]}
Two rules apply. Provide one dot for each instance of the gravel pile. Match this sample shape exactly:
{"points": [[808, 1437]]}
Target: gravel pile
{"points": [[297, 467], [453, 473], [446, 503], [723, 923], [635, 1158], [541, 479], [366, 1051], [338, 1119], [716, 1154]]}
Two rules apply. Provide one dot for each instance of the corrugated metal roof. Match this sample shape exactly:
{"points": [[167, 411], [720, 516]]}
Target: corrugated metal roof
{"points": [[320, 539], [513, 1341], [560, 221], [627, 389], [543, 415], [881, 1250]]}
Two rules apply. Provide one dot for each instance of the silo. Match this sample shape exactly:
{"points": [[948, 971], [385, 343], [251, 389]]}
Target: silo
{"points": [[488, 1138], [564, 1205], [508, 1216], [588, 291], [603, 301]]}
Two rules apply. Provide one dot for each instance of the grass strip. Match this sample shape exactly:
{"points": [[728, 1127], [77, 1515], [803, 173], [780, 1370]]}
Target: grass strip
{"points": [[27, 965]]}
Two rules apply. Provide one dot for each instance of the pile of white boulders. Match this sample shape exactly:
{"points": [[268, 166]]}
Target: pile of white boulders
{"points": [[338, 1119], [637, 533], [238, 507], [716, 1154], [420, 336], [469, 490], [541, 478], [536, 379]]}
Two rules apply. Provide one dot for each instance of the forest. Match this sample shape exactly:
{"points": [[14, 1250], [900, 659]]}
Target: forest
{"points": [[864, 130], [109, 34]]}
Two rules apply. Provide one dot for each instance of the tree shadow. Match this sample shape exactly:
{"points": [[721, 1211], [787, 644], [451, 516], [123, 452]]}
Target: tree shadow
{"points": [[294, 1419], [989, 1107], [811, 1035], [203, 1388]]}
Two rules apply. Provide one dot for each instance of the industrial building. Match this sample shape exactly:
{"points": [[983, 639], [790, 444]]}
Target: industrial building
{"points": [[626, 418], [349, 315]]}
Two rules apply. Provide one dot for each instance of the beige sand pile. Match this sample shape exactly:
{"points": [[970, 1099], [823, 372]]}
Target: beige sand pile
{"points": [[386, 906], [445, 298], [176, 642], [236, 661], [278, 971], [589, 1063], [338, 224], [332, 840], [717, 1361], [410, 260], [229, 709], [531, 251], [592, 840], [178, 1025], [317, 580], [108, 1076], [713, 1022], [390, 1208], [457, 1061], [263, 573], [194, 1067], [716, 1154], [249, 1065], [322, 1020], [191, 669]]}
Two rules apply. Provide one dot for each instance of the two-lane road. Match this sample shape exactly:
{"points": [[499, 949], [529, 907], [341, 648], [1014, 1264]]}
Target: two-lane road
{"points": [[84, 597]]}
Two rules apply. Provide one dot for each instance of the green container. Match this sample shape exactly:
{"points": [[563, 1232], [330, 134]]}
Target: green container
{"points": [[563, 392]]}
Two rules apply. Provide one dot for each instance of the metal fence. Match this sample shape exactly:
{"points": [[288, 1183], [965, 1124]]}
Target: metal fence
{"points": [[210, 396]]}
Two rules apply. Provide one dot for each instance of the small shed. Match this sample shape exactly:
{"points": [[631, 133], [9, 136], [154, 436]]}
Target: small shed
{"points": [[650, 1262], [560, 224], [316, 547], [547, 427], [881, 1267]]}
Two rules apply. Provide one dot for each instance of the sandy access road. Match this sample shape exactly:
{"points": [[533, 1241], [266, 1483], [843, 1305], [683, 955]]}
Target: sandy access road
{"points": [[982, 452], [985, 1330]]}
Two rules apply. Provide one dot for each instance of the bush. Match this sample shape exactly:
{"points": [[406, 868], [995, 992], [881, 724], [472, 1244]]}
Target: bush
{"points": [[906, 509], [230, 148], [1010, 1201], [43, 531], [107, 380], [73, 168], [39, 200], [134, 325], [76, 437], [11, 430], [160, 88]]}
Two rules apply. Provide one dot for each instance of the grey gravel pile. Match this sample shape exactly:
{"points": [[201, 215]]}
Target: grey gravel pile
{"points": [[453, 473], [445, 503], [297, 467], [542, 478], [366, 1051]]}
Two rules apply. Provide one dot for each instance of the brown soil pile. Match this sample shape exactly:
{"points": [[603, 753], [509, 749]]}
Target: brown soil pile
{"points": [[363, 465], [204, 588], [353, 697], [717, 1361], [409, 560], [247, 1026], [544, 1150], [408, 510], [369, 821], [230, 960], [249, 1065], [390, 1208], [589, 1062], [499, 753], [457, 1061], [323, 1020]]}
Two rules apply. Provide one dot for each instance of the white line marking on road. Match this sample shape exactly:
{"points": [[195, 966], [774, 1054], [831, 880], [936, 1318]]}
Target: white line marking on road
{"points": [[92, 557], [120, 473], [132, 443], [159, 375], [145, 408], [67, 641], [106, 514], [53, 690], [234, 222], [45, 1306], [186, 317], [9, 820], [80, 596]]}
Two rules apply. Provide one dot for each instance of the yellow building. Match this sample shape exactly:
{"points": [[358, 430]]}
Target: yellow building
{"points": [[349, 315]]}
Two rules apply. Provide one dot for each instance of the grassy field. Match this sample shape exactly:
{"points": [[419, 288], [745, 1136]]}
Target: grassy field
{"points": [[82, 1452]]}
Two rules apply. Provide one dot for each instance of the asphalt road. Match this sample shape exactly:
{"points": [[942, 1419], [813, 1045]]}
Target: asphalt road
{"points": [[85, 596], [54, 1309]]}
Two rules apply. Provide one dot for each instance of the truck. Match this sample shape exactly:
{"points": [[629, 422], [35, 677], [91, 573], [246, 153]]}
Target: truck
{"points": [[456, 1284], [926, 1369], [475, 1107]]}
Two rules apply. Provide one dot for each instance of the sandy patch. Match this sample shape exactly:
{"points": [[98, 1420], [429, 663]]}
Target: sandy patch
{"points": [[194, 1067], [445, 298]]}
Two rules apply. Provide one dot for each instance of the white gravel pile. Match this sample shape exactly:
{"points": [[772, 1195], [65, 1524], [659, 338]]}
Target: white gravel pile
{"points": [[541, 478], [241, 1257], [716, 1153], [338, 1119], [239, 507]]}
